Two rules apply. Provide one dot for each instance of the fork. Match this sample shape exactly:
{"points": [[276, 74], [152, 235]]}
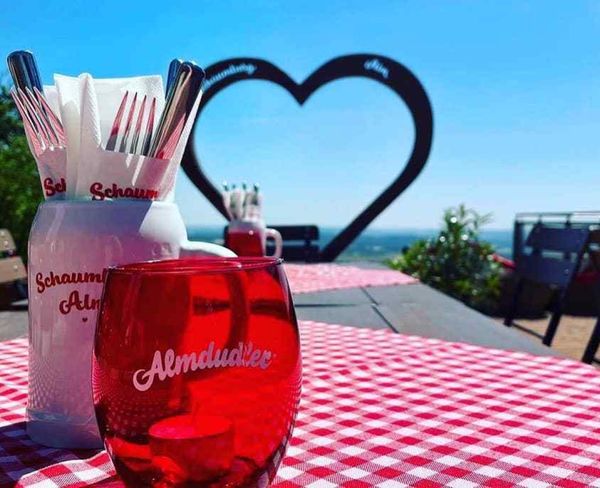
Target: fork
{"points": [[117, 130], [42, 126]]}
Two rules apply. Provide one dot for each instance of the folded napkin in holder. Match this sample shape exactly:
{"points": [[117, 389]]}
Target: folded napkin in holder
{"points": [[88, 107]]}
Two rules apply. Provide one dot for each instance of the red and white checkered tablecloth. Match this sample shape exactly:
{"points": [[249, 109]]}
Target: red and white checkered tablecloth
{"points": [[386, 410], [306, 278]]}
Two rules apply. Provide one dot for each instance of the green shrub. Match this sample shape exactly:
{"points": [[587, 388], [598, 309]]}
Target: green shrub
{"points": [[456, 262], [20, 191]]}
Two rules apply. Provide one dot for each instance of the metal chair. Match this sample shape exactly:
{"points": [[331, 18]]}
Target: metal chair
{"points": [[554, 260]]}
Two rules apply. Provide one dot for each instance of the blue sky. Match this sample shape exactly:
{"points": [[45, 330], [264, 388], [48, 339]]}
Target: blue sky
{"points": [[515, 89]]}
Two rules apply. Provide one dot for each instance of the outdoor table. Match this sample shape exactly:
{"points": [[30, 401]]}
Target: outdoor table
{"points": [[384, 409], [387, 409], [306, 278]]}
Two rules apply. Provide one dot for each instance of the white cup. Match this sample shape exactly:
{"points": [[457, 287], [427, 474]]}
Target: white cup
{"points": [[70, 245]]}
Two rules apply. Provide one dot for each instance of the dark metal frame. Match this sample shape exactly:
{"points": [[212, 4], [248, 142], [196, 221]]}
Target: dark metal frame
{"points": [[384, 70]]}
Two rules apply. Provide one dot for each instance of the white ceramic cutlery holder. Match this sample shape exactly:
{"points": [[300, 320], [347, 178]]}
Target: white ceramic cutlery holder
{"points": [[70, 246]]}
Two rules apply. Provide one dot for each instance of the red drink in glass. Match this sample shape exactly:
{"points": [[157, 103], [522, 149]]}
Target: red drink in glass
{"points": [[197, 371]]}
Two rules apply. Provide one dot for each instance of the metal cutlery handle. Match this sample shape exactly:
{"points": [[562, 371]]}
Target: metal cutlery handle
{"points": [[24, 71], [172, 75], [178, 106]]}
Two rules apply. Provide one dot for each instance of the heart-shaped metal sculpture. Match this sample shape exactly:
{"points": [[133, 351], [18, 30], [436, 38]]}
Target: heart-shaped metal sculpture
{"points": [[379, 68]]}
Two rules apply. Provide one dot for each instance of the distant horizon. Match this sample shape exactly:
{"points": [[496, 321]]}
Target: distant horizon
{"points": [[368, 229]]}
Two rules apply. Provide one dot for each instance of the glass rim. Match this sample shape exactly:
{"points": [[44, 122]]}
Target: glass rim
{"points": [[197, 265]]}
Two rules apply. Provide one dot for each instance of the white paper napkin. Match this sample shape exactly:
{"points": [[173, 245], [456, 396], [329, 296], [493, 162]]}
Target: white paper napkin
{"points": [[88, 107], [69, 100]]}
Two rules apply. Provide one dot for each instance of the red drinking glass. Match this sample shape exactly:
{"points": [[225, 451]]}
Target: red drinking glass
{"points": [[197, 371]]}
